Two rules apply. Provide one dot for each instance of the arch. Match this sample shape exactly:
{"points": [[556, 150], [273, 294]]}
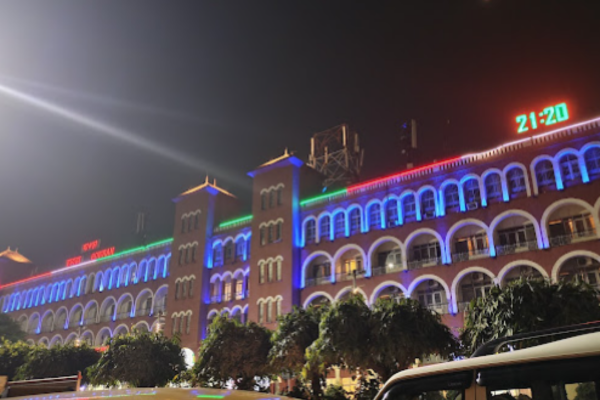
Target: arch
{"points": [[367, 215], [310, 258], [88, 337], [523, 168], [159, 301], [442, 195], [106, 304], [559, 203], [541, 240], [215, 277], [47, 316], [555, 167], [44, 342], [461, 188], [122, 329], [565, 257], [483, 188], [384, 285], [420, 193], [56, 340], [348, 289], [120, 312], [212, 313], [72, 312], [71, 338], [61, 310], [420, 231], [143, 295], [386, 239], [465, 222], [33, 325], [352, 246], [413, 285], [88, 306], [138, 325], [461, 275], [315, 295], [506, 269], [102, 335], [304, 223]]}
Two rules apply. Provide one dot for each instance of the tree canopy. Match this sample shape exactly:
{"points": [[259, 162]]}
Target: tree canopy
{"points": [[12, 356], [527, 306], [10, 329], [141, 359], [234, 352], [58, 361]]}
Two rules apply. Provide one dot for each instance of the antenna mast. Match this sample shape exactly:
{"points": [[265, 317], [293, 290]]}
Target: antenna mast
{"points": [[336, 153]]}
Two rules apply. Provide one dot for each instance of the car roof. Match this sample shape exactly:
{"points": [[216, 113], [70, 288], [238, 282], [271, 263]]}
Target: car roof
{"points": [[574, 347], [157, 394]]}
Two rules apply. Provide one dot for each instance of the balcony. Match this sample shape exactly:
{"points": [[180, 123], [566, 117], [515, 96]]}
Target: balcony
{"points": [[159, 309], [215, 299], [469, 255], [378, 271], [142, 312], [318, 281], [239, 296], [46, 329], [123, 315], [516, 247], [425, 262], [90, 321], [568, 238], [440, 308]]}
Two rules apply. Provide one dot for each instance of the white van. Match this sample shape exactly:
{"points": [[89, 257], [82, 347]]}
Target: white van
{"points": [[566, 369]]}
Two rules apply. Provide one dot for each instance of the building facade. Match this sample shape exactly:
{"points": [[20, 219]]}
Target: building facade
{"points": [[443, 234]]}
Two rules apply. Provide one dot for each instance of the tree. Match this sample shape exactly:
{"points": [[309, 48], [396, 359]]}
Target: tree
{"points": [[59, 361], [527, 306], [234, 352], [386, 338], [13, 356], [141, 359], [295, 333], [10, 329]]}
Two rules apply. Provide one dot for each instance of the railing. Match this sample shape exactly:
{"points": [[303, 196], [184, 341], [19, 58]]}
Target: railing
{"points": [[74, 324], [441, 308], [425, 262], [215, 299], [123, 315], [90, 321], [160, 309], [562, 240], [516, 247], [457, 257], [47, 329], [382, 270], [227, 297], [344, 276], [142, 312], [106, 318], [463, 305], [318, 281], [239, 296]]}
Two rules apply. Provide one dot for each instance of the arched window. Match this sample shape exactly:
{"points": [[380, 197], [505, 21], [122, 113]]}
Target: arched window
{"points": [[544, 174], [177, 290], [355, 221], [278, 231], [263, 201], [270, 311], [278, 308], [391, 213], [569, 168], [451, 197], [472, 193], [324, 228], [188, 324], [310, 231], [340, 225], [228, 251], [240, 247], [218, 255], [279, 196], [374, 213], [428, 204], [409, 208], [279, 268], [263, 235], [261, 277], [516, 181], [493, 187], [261, 312], [270, 273], [592, 161], [191, 287]]}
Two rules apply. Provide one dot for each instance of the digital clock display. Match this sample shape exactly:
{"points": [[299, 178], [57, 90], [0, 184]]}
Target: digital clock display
{"points": [[548, 116]]}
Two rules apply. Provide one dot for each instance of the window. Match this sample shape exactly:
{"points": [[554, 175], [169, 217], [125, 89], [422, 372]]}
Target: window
{"points": [[325, 228], [228, 290], [248, 247], [516, 181], [239, 288], [270, 311], [263, 201], [279, 196], [374, 216], [228, 251], [181, 322], [191, 287], [592, 160], [278, 272], [355, 221], [189, 224], [569, 168], [428, 204], [183, 289], [391, 212], [271, 199], [270, 272], [472, 193], [451, 197], [263, 237], [261, 313], [261, 275], [544, 174], [189, 323], [218, 255], [193, 250], [196, 221], [240, 247], [278, 230], [310, 231], [493, 187], [278, 308], [409, 210], [471, 245], [177, 289], [427, 251], [520, 236], [182, 225], [173, 325], [581, 225], [340, 225], [270, 234]]}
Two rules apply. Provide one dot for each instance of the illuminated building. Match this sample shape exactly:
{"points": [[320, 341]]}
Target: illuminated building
{"points": [[442, 234]]}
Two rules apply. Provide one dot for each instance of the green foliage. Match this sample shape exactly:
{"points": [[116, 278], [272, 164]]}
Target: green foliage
{"points": [[386, 338], [586, 391], [295, 333], [300, 391], [141, 359], [59, 361], [236, 352], [335, 392], [367, 388], [527, 306], [10, 329], [13, 356]]}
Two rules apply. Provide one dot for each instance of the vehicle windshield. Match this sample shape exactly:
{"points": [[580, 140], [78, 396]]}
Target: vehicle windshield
{"points": [[442, 387]]}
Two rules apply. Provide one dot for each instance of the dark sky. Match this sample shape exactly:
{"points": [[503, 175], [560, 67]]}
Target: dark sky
{"points": [[222, 86]]}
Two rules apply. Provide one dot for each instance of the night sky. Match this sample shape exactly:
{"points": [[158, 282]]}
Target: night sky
{"points": [[185, 88]]}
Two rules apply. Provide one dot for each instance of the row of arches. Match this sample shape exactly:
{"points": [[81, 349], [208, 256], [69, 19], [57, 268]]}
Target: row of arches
{"points": [[229, 286], [230, 249], [436, 294], [146, 303], [239, 313], [94, 282], [566, 168], [181, 322], [564, 221], [269, 309]]}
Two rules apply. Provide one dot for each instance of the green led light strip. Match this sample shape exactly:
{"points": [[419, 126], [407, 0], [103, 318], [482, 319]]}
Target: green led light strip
{"points": [[225, 224], [322, 197], [135, 250], [210, 396]]}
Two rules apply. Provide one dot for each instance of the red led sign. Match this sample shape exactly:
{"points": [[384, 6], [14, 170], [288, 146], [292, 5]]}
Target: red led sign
{"points": [[102, 253], [89, 246], [74, 261]]}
